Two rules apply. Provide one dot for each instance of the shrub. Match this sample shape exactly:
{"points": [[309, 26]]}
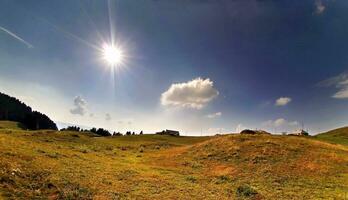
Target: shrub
{"points": [[191, 179], [246, 191]]}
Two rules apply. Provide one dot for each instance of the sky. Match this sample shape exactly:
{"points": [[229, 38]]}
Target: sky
{"points": [[201, 67]]}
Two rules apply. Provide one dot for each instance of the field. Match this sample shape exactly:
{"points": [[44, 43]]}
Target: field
{"points": [[336, 136], [72, 165]]}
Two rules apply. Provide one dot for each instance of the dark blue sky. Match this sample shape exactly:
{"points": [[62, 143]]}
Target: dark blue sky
{"points": [[254, 52]]}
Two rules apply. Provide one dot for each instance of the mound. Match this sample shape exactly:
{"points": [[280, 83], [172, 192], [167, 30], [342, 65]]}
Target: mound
{"points": [[339, 136], [277, 166], [254, 132]]}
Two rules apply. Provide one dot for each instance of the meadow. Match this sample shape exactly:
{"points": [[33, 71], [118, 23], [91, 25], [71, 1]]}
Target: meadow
{"points": [[72, 165]]}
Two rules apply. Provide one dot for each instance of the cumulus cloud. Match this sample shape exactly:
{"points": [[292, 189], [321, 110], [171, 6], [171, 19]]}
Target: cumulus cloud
{"points": [[282, 101], [80, 106], [107, 117], [196, 94], [214, 115], [340, 82], [280, 122]]}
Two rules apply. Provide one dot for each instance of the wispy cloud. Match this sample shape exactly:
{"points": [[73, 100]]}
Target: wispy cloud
{"points": [[319, 7], [16, 37], [107, 117], [239, 128], [280, 122], [341, 82], [214, 115]]}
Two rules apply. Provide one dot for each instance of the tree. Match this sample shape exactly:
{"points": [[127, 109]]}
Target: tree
{"points": [[103, 132], [117, 134], [72, 128], [93, 130], [14, 110], [141, 132]]}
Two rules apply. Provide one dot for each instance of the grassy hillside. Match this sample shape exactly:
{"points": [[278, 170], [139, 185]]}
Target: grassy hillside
{"points": [[69, 165], [337, 136], [11, 125]]}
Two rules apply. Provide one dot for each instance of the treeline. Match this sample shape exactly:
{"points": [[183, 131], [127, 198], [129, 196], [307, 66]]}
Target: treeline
{"points": [[99, 131], [14, 110]]}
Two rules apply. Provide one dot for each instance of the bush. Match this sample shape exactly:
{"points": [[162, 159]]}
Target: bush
{"points": [[191, 179], [246, 191]]}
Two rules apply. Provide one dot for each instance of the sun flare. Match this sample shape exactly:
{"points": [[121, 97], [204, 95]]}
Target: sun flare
{"points": [[113, 55]]}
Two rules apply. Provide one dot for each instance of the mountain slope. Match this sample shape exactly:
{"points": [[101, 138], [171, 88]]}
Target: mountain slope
{"points": [[12, 109], [338, 136]]}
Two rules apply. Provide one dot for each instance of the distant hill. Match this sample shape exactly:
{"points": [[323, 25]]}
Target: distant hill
{"points": [[339, 136], [12, 109], [11, 125]]}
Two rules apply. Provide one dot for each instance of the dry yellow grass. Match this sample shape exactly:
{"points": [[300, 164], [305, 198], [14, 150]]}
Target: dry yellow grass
{"points": [[68, 165]]}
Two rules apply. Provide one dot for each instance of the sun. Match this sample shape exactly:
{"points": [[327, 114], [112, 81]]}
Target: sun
{"points": [[112, 54]]}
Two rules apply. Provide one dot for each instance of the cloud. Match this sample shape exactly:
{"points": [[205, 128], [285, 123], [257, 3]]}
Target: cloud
{"points": [[80, 106], [319, 7], [214, 115], [195, 94], [282, 101], [280, 122], [342, 94], [340, 82], [125, 121], [216, 130], [16, 37], [239, 128], [107, 117]]}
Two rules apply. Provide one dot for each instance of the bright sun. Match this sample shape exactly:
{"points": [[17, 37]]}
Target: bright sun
{"points": [[113, 55]]}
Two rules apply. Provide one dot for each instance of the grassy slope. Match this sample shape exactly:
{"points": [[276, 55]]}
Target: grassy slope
{"points": [[11, 125], [69, 165], [337, 136]]}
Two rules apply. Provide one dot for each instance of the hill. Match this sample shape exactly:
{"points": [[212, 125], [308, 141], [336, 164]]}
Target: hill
{"points": [[337, 136], [14, 110], [73, 165], [11, 125]]}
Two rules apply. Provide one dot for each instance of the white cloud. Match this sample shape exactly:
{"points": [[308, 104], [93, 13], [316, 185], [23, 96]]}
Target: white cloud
{"points": [[80, 106], [196, 94], [280, 122], [239, 128], [107, 117], [340, 82], [319, 7], [216, 130], [342, 94], [282, 101], [214, 115]]}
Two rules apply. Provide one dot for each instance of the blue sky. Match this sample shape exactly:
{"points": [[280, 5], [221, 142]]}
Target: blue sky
{"points": [[195, 66]]}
